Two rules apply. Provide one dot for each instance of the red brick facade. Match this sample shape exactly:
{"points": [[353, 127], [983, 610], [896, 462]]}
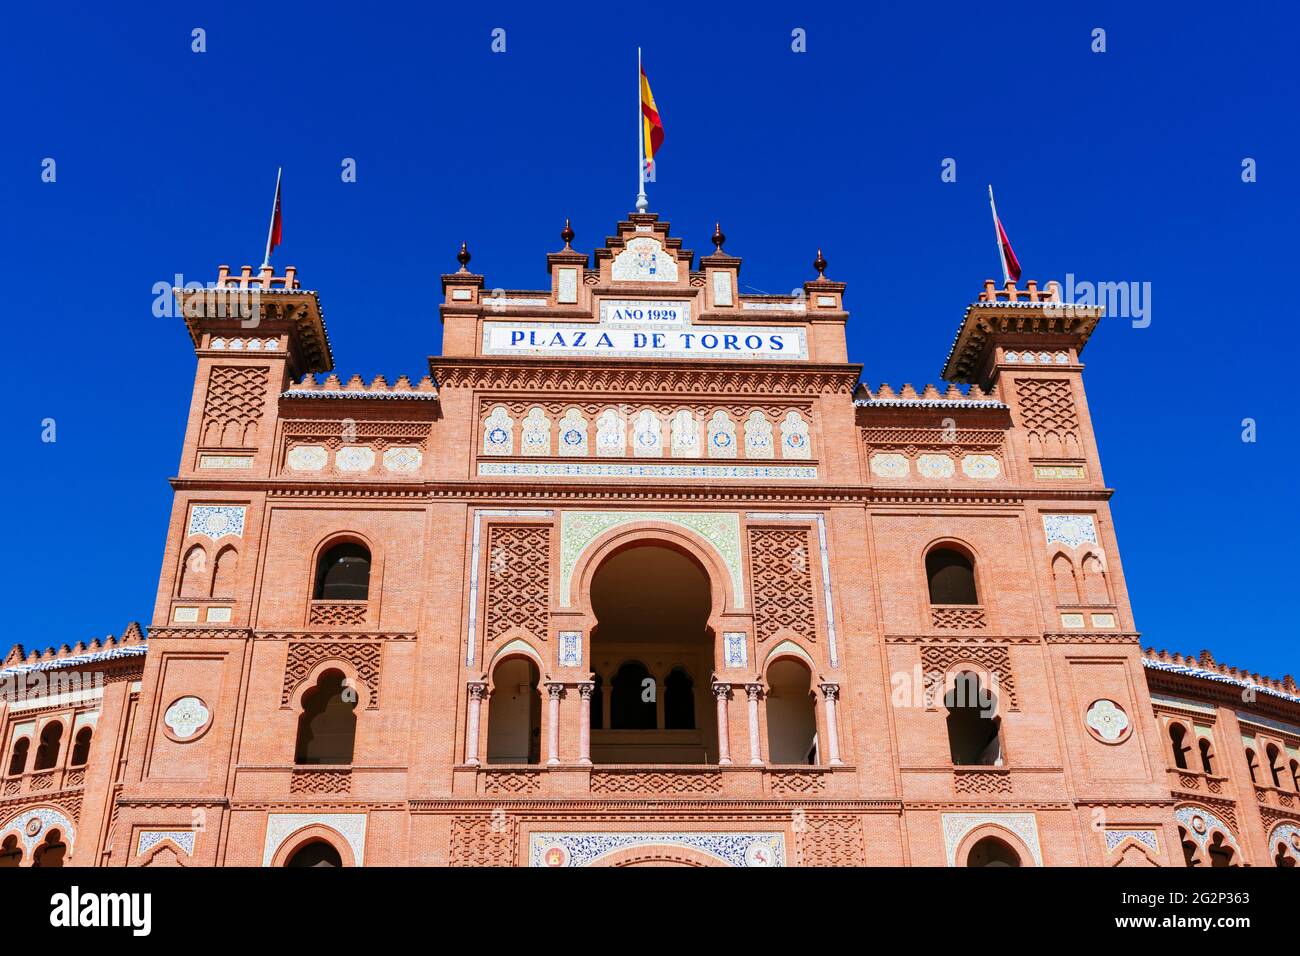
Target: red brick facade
{"points": [[642, 442]]}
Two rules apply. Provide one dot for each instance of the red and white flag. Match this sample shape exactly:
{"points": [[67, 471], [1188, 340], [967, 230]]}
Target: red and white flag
{"points": [[1010, 264], [273, 235]]}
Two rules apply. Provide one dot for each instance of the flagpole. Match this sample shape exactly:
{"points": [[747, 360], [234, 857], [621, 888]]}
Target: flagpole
{"points": [[266, 260], [642, 204], [997, 237]]}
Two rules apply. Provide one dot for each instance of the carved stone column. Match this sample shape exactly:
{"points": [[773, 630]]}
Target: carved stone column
{"points": [[830, 694], [585, 690], [477, 693], [554, 691], [723, 693], [754, 692]]}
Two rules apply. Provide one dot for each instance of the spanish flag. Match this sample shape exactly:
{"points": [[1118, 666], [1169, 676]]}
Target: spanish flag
{"points": [[653, 130]]}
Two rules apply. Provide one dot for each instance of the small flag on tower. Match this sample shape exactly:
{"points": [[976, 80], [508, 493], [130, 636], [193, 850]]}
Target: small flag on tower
{"points": [[649, 131], [654, 128], [273, 234], [1010, 264]]}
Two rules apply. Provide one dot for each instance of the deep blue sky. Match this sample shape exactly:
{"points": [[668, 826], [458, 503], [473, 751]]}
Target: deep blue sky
{"points": [[1117, 166]]}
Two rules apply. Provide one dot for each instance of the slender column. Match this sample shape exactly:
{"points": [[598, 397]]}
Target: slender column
{"points": [[554, 690], [723, 692], [606, 695], [830, 694], [754, 692], [585, 689], [477, 692]]}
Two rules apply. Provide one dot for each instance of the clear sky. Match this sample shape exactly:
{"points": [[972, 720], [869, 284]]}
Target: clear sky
{"points": [[1122, 166]]}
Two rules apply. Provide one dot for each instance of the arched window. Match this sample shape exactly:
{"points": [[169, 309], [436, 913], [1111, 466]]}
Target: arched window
{"points": [[1221, 853], [1207, 756], [952, 577], [327, 727], [1189, 848], [223, 573], [679, 701], [11, 854], [18, 758], [1282, 859], [47, 754], [632, 699], [315, 853], [1295, 775], [81, 747], [1274, 764], [990, 851], [974, 729], [343, 574], [515, 713], [1178, 741], [193, 571], [791, 713], [1252, 764], [51, 852], [1095, 589], [1067, 589]]}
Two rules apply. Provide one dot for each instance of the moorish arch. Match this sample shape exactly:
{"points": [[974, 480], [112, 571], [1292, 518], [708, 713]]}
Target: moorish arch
{"points": [[654, 618]]}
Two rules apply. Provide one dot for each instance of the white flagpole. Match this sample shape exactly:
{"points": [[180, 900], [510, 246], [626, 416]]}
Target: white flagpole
{"points": [[642, 204], [997, 237], [266, 260]]}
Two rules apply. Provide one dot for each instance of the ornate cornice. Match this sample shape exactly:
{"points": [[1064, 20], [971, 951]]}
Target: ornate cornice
{"points": [[678, 806], [199, 633], [1092, 637], [504, 491], [331, 636], [658, 376]]}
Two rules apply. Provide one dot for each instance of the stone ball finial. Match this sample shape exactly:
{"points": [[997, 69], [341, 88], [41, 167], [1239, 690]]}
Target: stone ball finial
{"points": [[567, 233], [820, 264], [463, 257], [718, 236]]}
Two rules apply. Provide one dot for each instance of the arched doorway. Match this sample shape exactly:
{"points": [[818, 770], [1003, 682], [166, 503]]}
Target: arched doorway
{"points": [[652, 652], [515, 713], [315, 853], [791, 713], [990, 851]]}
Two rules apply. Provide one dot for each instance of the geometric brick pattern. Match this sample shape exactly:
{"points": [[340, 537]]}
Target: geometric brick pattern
{"points": [[831, 840], [483, 840], [303, 656], [1047, 414], [993, 659], [656, 782], [519, 579], [236, 397], [783, 587]]}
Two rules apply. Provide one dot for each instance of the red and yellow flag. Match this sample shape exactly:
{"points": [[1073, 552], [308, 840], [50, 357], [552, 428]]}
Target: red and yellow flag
{"points": [[653, 127]]}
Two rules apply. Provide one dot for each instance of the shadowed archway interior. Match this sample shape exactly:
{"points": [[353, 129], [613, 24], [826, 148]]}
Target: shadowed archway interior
{"points": [[652, 652]]}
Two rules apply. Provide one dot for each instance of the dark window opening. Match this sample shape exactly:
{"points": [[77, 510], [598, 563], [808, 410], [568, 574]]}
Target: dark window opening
{"points": [[343, 574], [327, 728], [952, 577], [974, 730], [679, 701], [632, 699]]}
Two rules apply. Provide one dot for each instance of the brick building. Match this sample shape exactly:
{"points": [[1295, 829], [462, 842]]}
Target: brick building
{"points": [[640, 574]]}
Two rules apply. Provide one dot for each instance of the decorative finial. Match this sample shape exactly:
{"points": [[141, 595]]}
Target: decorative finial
{"points": [[567, 234], [718, 236], [463, 257], [820, 264]]}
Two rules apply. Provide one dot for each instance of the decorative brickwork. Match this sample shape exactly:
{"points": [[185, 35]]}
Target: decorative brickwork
{"points": [[958, 618], [981, 781], [518, 579], [303, 656], [783, 586], [662, 782], [826, 839], [337, 613], [992, 659], [321, 781], [1047, 414], [236, 397], [483, 840]]}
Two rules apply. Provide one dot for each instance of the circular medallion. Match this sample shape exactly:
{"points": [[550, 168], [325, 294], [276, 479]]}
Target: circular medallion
{"points": [[497, 436], [1198, 824], [1295, 840], [33, 826], [186, 718], [759, 853], [572, 437], [555, 856], [1108, 722]]}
